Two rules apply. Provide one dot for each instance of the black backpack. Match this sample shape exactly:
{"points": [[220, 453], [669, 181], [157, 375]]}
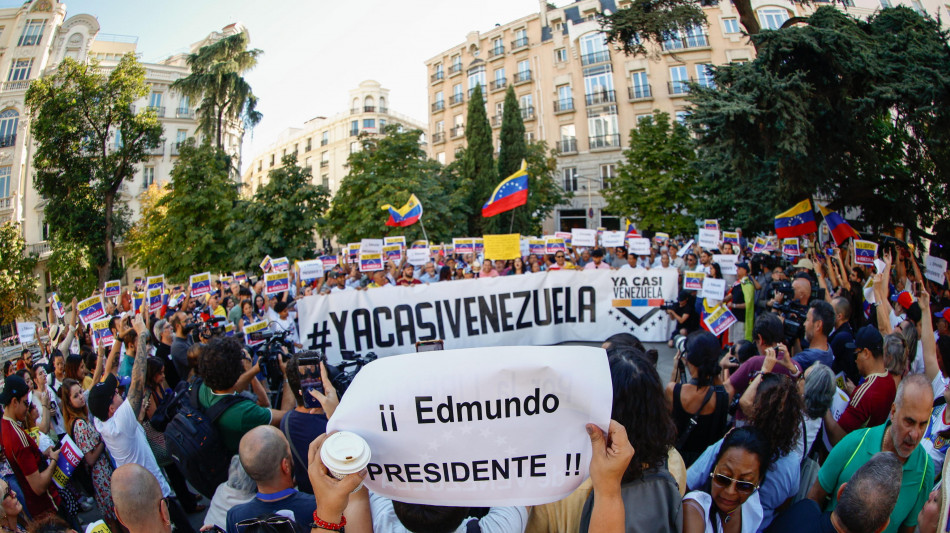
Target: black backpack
{"points": [[194, 443]]}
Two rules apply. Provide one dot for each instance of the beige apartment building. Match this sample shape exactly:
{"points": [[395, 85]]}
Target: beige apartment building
{"points": [[324, 144], [583, 96]]}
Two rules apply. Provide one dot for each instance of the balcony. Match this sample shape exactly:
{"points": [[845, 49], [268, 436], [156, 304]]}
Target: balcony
{"points": [[457, 132], [456, 99], [438, 76], [496, 120], [438, 137], [527, 113], [604, 142], [498, 85], [497, 51], [439, 105], [356, 110], [159, 110], [39, 248], [639, 92], [354, 132], [484, 93], [6, 203], [678, 88], [383, 110], [20, 85], [8, 140], [696, 40], [324, 164], [184, 113], [176, 147], [157, 151], [323, 142], [593, 58], [519, 43], [455, 69], [563, 106], [522, 77], [602, 97], [567, 146], [369, 109]]}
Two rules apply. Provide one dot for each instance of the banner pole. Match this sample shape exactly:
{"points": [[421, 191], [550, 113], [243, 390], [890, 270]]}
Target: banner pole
{"points": [[426, 237], [511, 226]]}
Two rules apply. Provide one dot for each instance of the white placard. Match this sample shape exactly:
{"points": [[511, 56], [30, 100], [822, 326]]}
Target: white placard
{"points": [[713, 289], [310, 270], [727, 263], [612, 239], [685, 248], [709, 239], [371, 246], [936, 268], [638, 246], [583, 237], [26, 331], [482, 427], [417, 256]]}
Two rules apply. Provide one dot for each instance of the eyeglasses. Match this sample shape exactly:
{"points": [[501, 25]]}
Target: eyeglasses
{"points": [[559, 256], [724, 481], [269, 523]]}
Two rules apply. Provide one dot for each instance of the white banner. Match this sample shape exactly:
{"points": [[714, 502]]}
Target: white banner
{"points": [[612, 239], [727, 263], [479, 427], [26, 331], [936, 269], [531, 309], [583, 237]]}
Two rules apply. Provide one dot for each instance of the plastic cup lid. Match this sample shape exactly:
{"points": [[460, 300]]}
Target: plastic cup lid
{"points": [[345, 452]]}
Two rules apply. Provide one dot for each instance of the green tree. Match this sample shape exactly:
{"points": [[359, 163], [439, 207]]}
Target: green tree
{"points": [[72, 269], [89, 141], [387, 171], [216, 80], [849, 110], [17, 282], [477, 169], [657, 179], [282, 218], [513, 146], [184, 228]]}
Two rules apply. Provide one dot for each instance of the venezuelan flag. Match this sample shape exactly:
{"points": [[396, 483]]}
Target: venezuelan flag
{"points": [[797, 221], [840, 229], [509, 194], [406, 215]]}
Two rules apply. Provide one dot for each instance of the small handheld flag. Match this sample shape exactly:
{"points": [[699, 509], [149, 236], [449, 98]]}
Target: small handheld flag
{"points": [[406, 215], [509, 194]]}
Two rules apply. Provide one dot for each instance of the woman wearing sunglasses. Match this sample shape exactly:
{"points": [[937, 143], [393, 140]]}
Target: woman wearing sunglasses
{"points": [[10, 521], [729, 502]]}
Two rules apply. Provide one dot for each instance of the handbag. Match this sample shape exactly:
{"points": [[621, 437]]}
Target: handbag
{"points": [[808, 469], [693, 421]]}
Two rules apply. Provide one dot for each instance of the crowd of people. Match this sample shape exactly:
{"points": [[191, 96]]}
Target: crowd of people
{"points": [[822, 408]]}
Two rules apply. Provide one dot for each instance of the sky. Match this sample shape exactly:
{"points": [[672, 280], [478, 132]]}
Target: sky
{"points": [[315, 51]]}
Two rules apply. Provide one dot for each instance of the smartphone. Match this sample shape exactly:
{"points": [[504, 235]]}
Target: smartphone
{"points": [[430, 346], [308, 368]]}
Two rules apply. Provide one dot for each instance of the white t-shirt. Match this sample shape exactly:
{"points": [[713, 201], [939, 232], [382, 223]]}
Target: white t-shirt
{"points": [[277, 325], [498, 519], [751, 511], [935, 445], [56, 414], [125, 439], [812, 428]]}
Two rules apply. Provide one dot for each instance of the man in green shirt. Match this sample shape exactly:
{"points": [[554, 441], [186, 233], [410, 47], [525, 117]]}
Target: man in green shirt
{"points": [[902, 434]]}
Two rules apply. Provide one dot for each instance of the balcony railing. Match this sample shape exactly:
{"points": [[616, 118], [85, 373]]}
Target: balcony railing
{"points": [[20, 85], [484, 92], [522, 77], [602, 97], [457, 132], [605, 141], [438, 105], [324, 164], [6, 203], [678, 87], [159, 110], [184, 113], [456, 99], [602, 56], [496, 120], [39, 248], [566, 146], [639, 92], [564, 106], [356, 110], [176, 147], [157, 151], [498, 84], [382, 109], [519, 43], [8, 140], [527, 113], [438, 137], [323, 142], [438, 76], [497, 51], [369, 109], [455, 69], [696, 40], [354, 132]]}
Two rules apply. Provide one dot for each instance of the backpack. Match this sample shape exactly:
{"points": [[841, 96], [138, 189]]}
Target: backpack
{"points": [[166, 410], [194, 443]]}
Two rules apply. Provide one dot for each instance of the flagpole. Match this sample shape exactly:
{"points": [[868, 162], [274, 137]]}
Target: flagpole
{"points": [[424, 236], [511, 226]]}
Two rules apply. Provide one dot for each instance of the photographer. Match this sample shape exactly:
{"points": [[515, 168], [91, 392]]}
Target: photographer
{"points": [[684, 314], [819, 322], [768, 333], [179, 350]]}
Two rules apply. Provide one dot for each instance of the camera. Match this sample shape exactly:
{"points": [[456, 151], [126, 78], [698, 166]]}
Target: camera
{"points": [[679, 342], [782, 287], [269, 354], [345, 377], [669, 305], [200, 328], [793, 315]]}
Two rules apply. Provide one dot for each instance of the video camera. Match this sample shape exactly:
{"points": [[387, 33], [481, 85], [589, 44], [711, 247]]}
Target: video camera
{"points": [[269, 354], [345, 377], [200, 328], [670, 305], [793, 315]]}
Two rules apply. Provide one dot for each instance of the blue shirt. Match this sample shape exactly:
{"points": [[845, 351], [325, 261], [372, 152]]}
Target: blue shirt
{"points": [[299, 507], [302, 429], [781, 481], [806, 358], [426, 278]]}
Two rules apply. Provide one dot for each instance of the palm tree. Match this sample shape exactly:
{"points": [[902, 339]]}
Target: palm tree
{"points": [[216, 82]]}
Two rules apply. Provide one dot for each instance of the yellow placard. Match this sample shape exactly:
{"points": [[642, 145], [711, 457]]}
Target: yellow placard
{"points": [[503, 247]]}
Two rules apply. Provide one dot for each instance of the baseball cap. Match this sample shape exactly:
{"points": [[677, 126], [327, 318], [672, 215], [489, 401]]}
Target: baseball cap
{"points": [[905, 299], [13, 387], [867, 338], [743, 264], [100, 397], [944, 314]]}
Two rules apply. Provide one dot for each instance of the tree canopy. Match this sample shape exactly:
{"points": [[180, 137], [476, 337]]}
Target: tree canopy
{"points": [[477, 172], [17, 282]]}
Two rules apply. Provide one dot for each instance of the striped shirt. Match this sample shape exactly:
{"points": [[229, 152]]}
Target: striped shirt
{"points": [[870, 403]]}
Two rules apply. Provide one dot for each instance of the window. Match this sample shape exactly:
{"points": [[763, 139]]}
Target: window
{"points": [[681, 117], [440, 126], [456, 63], [440, 157], [918, 7], [260, 164], [886, 4], [324, 138], [639, 85], [9, 120], [604, 131], [599, 84], [45, 230], [607, 173], [354, 127], [594, 49], [528, 137], [306, 164], [570, 179], [457, 96], [354, 147], [560, 55], [499, 109], [325, 180], [272, 159], [497, 46], [438, 71], [526, 102], [565, 98], [6, 174], [369, 123], [476, 77], [296, 148], [731, 24], [324, 159], [678, 79], [499, 78], [524, 67], [184, 105], [20, 70], [704, 75], [439, 100], [382, 124], [572, 218], [647, 116], [521, 38], [155, 99], [180, 136], [148, 177], [772, 19], [32, 33], [309, 144]]}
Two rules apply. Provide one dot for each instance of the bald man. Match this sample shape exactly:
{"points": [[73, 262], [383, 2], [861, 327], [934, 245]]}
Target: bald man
{"points": [[266, 457], [139, 503]]}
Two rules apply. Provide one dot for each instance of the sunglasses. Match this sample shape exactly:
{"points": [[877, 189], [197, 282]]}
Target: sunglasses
{"points": [[559, 257], [9, 493], [724, 481], [270, 523]]}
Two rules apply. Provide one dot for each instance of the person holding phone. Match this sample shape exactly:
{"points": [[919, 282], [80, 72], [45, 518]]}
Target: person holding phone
{"points": [[309, 381]]}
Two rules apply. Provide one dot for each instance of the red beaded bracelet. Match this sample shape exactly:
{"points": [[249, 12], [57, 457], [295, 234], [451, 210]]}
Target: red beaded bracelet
{"points": [[318, 523]]}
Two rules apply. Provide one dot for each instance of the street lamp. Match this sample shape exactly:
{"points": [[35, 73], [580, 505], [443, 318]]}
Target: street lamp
{"points": [[590, 205]]}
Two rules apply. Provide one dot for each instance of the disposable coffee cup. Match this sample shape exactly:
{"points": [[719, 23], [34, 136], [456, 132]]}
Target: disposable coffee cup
{"points": [[345, 453]]}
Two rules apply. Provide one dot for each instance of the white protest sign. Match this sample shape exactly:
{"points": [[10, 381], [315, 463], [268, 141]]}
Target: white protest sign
{"points": [[709, 239], [480, 427], [612, 239], [310, 270], [583, 237], [26, 331], [417, 256], [936, 268], [727, 263], [713, 289], [638, 246], [686, 248], [371, 246]]}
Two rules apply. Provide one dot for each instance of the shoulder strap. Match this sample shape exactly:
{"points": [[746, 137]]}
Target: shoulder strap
{"points": [[858, 447], [218, 409], [473, 527], [709, 393], [285, 427], [804, 443]]}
